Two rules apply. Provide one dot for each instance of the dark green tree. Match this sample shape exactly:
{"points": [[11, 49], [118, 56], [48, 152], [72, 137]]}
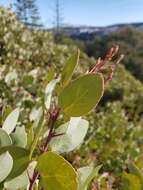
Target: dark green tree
{"points": [[27, 12]]}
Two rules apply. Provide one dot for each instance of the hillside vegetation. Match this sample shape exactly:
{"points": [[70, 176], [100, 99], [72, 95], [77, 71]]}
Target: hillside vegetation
{"points": [[29, 59]]}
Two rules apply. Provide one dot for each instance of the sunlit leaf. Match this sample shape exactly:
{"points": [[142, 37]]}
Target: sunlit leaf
{"points": [[48, 92], [19, 137], [69, 68], [82, 95], [19, 182], [74, 132], [56, 172], [6, 164], [11, 121], [5, 139], [20, 160]]}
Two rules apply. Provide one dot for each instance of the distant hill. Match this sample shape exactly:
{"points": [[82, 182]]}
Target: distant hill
{"points": [[87, 32]]}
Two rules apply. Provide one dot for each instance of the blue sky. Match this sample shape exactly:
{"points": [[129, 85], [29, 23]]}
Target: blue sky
{"points": [[90, 12]]}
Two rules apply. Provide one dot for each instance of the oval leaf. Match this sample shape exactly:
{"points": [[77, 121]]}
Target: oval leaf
{"points": [[19, 182], [69, 68], [56, 172], [20, 160], [11, 121], [74, 133], [5, 139], [16, 137], [6, 164], [82, 95]]}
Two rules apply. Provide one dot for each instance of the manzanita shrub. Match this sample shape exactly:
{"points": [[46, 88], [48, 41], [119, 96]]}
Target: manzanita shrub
{"points": [[33, 158], [29, 60]]}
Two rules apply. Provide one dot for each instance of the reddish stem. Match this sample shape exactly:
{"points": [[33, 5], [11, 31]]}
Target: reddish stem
{"points": [[53, 118], [32, 181]]}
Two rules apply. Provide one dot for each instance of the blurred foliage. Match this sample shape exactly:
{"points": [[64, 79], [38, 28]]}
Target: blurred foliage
{"points": [[130, 41]]}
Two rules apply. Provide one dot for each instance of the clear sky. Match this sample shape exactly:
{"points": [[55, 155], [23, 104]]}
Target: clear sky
{"points": [[90, 12]]}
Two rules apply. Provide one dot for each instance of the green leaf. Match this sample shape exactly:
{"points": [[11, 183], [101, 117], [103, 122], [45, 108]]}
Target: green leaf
{"points": [[86, 175], [6, 164], [136, 171], [82, 95], [11, 121], [48, 92], [19, 182], [74, 133], [56, 172], [130, 182], [19, 137], [5, 139], [20, 160], [69, 68]]}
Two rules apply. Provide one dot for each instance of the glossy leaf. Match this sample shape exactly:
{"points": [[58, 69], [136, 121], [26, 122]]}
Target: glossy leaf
{"points": [[86, 175], [19, 137], [69, 68], [74, 133], [19, 182], [20, 160], [5, 139], [82, 95], [11, 121], [6, 164], [56, 172]]}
